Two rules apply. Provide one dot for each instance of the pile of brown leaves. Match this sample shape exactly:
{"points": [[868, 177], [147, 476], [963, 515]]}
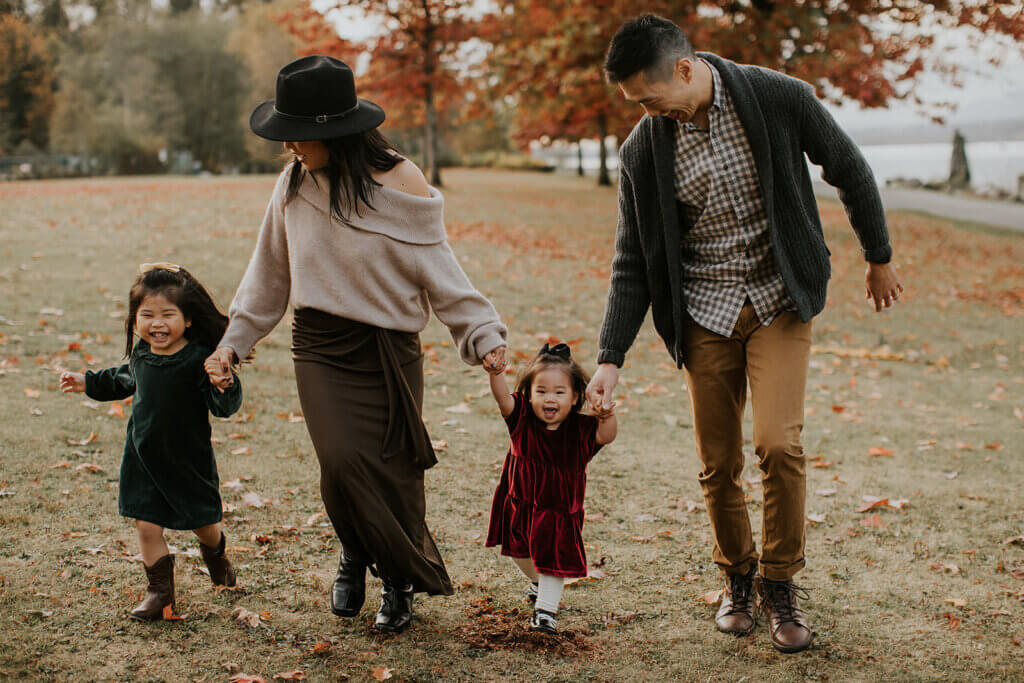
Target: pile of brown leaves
{"points": [[492, 627]]}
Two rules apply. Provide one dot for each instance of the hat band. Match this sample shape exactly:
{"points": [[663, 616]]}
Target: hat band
{"points": [[319, 118]]}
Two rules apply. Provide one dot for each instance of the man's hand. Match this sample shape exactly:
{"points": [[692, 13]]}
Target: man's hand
{"points": [[218, 367], [601, 389], [496, 361], [882, 285]]}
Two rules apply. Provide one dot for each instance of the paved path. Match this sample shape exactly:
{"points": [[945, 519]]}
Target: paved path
{"points": [[987, 211]]}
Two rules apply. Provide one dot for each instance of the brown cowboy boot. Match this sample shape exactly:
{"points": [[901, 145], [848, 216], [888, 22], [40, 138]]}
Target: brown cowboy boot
{"points": [[736, 615], [221, 571], [787, 628], [160, 592]]}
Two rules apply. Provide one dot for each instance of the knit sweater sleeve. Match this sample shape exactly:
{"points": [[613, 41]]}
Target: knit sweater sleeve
{"points": [[844, 167], [628, 296], [472, 320], [262, 297]]}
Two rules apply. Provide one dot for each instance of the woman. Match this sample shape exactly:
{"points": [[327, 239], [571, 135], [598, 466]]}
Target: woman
{"points": [[354, 238]]}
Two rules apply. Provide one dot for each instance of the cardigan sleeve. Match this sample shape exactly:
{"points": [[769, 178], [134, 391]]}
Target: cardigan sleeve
{"points": [[472, 320], [844, 167], [628, 297], [262, 297]]}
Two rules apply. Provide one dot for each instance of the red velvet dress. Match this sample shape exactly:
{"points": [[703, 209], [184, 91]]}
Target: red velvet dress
{"points": [[538, 507]]}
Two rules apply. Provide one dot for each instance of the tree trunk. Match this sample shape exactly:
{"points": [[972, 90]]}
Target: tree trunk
{"points": [[430, 138], [603, 179], [959, 172], [579, 157]]}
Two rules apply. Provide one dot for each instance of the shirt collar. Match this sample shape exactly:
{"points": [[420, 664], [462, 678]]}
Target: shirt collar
{"points": [[718, 97]]}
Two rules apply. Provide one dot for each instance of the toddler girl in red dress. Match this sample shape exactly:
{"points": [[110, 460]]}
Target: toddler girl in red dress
{"points": [[537, 514]]}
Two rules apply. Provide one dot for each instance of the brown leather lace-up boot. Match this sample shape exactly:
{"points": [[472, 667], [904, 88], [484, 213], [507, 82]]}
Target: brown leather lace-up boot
{"points": [[221, 571], [736, 615], [160, 592], [787, 628]]}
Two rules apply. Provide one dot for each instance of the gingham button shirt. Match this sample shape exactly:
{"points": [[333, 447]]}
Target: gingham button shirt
{"points": [[727, 254]]}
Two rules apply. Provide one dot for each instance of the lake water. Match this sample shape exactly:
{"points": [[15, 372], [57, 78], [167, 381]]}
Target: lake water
{"points": [[992, 164]]}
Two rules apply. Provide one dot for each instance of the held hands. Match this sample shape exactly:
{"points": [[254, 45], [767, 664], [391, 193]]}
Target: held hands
{"points": [[218, 367], [72, 382], [495, 362], [882, 285], [601, 390]]}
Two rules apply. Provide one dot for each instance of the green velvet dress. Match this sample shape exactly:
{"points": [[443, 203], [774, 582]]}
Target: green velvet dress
{"points": [[168, 474]]}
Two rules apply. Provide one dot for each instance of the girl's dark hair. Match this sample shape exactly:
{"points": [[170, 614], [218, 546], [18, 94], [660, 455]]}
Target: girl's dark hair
{"points": [[185, 292], [544, 361], [350, 160]]}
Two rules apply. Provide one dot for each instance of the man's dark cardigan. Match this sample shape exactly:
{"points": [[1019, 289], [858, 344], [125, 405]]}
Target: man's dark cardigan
{"points": [[783, 121]]}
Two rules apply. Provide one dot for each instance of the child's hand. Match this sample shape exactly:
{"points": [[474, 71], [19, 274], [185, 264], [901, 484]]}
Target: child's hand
{"points": [[604, 412], [72, 382], [214, 369], [495, 361]]}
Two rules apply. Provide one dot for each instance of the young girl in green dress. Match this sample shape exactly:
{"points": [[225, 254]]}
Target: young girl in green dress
{"points": [[168, 473]]}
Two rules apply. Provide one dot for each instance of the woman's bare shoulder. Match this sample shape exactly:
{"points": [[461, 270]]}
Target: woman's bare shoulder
{"points": [[405, 177]]}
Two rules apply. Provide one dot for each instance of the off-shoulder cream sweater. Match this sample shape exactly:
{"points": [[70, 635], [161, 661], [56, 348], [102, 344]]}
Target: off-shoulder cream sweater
{"points": [[389, 270]]}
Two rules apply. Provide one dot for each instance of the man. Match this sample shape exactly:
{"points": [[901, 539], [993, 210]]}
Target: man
{"points": [[719, 235]]}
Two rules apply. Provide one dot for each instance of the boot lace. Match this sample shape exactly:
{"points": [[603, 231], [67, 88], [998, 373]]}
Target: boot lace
{"points": [[781, 596], [740, 591]]}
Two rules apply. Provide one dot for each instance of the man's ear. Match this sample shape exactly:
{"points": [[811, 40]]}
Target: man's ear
{"points": [[684, 69]]}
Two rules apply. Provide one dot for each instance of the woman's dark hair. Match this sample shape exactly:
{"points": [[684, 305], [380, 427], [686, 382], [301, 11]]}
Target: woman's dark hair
{"points": [[546, 360], [185, 292], [647, 43], [350, 160]]}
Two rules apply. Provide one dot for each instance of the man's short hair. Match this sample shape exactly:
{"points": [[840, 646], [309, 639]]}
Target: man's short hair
{"points": [[647, 43]]}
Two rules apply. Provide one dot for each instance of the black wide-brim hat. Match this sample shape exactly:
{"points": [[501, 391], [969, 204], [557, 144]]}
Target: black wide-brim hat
{"points": [[315, 100]]}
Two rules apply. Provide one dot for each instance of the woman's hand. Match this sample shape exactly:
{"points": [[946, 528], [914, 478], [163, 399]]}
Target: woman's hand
{"points": [[72, 382], [882, 285], [218, 367], [495, 362]]}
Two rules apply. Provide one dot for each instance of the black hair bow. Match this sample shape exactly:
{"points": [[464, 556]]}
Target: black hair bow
{"points": [[560, 350]]}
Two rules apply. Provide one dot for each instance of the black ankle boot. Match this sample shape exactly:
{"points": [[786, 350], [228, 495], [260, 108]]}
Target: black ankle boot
{"points": [[349, 590], [395, 611]]}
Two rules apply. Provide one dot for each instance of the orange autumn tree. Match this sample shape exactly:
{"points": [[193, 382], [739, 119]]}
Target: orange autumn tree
{"points": [[548, 54], [417, 70]]}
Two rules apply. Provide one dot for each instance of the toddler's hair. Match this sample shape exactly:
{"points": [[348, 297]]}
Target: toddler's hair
{"points": [[556, 357], [184, 291]]}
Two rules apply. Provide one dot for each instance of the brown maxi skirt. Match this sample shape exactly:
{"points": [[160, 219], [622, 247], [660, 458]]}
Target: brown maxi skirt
{"points": [[361, 391]]}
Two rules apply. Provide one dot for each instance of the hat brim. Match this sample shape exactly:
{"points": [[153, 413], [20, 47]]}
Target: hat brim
{"points": [[267, 123]]}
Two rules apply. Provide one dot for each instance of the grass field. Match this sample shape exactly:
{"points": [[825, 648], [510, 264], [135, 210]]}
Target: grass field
{"points": [[934, 589]]}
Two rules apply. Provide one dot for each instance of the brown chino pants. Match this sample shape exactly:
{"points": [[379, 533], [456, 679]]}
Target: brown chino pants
{"points": [[774, 360]]}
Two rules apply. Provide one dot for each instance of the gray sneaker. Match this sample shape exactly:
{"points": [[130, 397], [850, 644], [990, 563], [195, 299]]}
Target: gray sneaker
{"points": [[543, 621]]}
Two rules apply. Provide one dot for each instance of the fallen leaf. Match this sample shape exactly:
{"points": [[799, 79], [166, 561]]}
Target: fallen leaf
{"points": [[321, 646], [296, 675], [63, 464], [244, 450], [247, 678], [952, 621], [82, 442], [458, 408], [116, 410], [874, 521], [381, 673], [439, 444], [254, 500], [994, 446], [314, 518], [873, 503], [956, 602], [825, 493], [31, 393], [246, 618], [816, 518], [89, 467], [946, 568], [878, 450], [1018, 639], [1014, 540], [838, 409], [712, 597]]}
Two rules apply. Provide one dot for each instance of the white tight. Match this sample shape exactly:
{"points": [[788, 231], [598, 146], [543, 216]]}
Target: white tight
{"points": [[549, 588]]}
